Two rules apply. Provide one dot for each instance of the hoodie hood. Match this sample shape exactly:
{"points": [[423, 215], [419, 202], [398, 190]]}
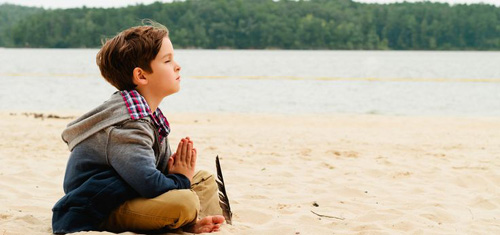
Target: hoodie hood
{"points": [[110, 113]]}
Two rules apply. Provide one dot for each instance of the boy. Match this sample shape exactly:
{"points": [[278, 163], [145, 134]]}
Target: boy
{"points": [[121, 174]]}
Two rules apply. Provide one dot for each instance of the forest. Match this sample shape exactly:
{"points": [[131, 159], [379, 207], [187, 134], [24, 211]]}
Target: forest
{"points": [[264, 24]]}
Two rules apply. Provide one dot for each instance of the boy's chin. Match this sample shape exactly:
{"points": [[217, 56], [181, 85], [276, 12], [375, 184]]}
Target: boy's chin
{"points": [[173, 92]]}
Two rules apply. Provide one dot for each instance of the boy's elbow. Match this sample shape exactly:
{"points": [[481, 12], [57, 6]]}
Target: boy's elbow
{"points": [[157, 183], [150, 194], [150, 191], [152, 186]]}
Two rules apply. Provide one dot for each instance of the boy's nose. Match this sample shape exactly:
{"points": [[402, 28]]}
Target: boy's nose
{"points": [[177, 67]]}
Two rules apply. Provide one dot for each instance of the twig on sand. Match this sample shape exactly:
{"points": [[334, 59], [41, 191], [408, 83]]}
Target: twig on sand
{"points": [[472, 215], [328, 216]]}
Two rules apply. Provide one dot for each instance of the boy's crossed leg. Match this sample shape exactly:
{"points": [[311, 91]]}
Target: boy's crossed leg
{"points": [[173, 209]]}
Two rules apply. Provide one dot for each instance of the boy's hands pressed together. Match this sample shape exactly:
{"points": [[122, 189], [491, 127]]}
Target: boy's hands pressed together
{"points": [[184, 160]]}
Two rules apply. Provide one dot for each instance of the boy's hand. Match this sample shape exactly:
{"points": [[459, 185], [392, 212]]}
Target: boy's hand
{"points": [[184, 160]]}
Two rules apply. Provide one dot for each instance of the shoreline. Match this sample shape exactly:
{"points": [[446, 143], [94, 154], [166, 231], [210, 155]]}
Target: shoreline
{"points": [[295, 174], [73, 114]]}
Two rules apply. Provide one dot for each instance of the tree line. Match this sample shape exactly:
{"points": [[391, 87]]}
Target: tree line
{"points": [[265, 24]]}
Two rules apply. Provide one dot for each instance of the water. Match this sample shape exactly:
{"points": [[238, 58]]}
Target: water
{"points": [[289, 82]]}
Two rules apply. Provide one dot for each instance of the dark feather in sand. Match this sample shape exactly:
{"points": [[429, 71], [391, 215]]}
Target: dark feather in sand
{"points": [[223, 199]]}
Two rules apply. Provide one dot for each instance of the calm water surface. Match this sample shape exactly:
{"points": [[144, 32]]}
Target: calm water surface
{"points": [[348, 82]]}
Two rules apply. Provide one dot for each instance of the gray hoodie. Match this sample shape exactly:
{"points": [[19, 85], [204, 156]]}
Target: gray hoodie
{"points": [[108, 138]]}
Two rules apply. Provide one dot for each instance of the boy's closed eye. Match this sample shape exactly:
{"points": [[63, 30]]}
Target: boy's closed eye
{"points": [[167, 57]]}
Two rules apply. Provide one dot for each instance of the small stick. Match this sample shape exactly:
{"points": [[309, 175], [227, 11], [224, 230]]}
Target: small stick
{"points": [[328, 216], [471, 213]]}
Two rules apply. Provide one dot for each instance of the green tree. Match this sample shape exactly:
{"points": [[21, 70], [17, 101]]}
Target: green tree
{"points": [[260, 24]]}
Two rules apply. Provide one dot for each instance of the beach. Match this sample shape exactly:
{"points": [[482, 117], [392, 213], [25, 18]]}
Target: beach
{"points": [[295, 174]]}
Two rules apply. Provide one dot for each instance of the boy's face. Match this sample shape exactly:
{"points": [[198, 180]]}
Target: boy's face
{"points": [[164, 79]]}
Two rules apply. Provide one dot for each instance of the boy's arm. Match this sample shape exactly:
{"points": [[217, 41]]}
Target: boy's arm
{"points": [[130, 153]]}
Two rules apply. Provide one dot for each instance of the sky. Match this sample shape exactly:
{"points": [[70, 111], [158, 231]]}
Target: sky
{"points": [[121, 3]]}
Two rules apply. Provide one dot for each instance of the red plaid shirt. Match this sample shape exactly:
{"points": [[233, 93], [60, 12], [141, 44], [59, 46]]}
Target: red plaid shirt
{"points": [[138, 108]]}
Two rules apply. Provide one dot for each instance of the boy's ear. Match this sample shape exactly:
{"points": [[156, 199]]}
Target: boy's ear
{"points": [[138, 77]]}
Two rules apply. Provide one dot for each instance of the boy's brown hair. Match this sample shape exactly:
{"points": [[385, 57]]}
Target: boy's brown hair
{"points": [[133, 47]]}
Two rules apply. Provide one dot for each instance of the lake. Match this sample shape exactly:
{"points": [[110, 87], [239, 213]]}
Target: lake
{"points": [[421, 83]]}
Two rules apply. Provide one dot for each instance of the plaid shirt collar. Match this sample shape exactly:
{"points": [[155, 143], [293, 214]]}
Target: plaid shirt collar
{"points": [[138, 108]]}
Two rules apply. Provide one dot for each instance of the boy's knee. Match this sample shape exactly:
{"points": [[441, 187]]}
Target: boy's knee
{"points": [[188, 201], [204, 177], [185, 205], [204, 173]]}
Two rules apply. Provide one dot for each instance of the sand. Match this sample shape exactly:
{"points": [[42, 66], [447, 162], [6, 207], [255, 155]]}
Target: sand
{"points": [[296, 174]]}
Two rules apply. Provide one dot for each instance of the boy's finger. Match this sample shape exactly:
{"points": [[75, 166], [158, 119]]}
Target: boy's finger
{"points": [[173, 156], [179, 147], [181, 152], [184, 150], [170, 163], [189, 152], [193, 158]]}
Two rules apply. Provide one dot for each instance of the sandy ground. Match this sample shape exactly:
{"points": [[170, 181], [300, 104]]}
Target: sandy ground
{"points": [[332, 174]]}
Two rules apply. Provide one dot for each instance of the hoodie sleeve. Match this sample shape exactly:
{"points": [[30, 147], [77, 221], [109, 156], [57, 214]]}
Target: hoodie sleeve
{"points": [[130, 153]]}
